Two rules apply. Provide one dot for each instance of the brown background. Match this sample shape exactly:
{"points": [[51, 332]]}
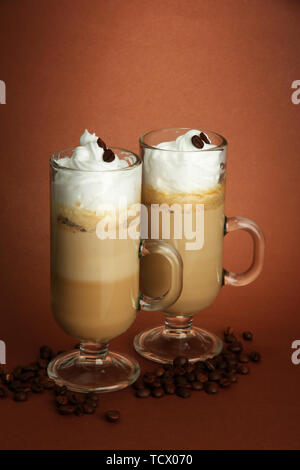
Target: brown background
{"points": [[121, 67]]}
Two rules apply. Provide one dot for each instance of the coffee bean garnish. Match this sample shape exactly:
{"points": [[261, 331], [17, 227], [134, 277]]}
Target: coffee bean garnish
{"points": [[158, 392], [101, 143], [229, 338], [88, 408], [108, 156], [197, 142], [248, 336], [244, 358], [169, 389], [243, 370], [225, 382], [236, 347], [61, 400], [197, 385], [204, 138], [113, 416]]}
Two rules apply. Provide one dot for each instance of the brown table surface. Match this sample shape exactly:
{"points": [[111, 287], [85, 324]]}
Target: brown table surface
{"points": [[122, 68]]}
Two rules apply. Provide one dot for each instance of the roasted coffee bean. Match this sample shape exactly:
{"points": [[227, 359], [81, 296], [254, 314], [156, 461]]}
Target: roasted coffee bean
{"points": [[48, 383], [169, 373], [101, 143], [33, 367], [230, 339], [224, 382], [25, 376], [244, 358], [76, 398], [255, 356], [93, 396], [92, 403], [190, 377], [113, 416], [232, 362], [201, 377], [25, 388], [190, 368], [160, 372], [45, 352], [243, 370], [167, 366], [139, 384], [36, 388], [158, 392], [60, 390], [66, 410], [232, 369], [108, 155], [197, 385], [183, 392], [169, 389], [156, 384], [7, 379], [178, 371], [211, 388], [180, 361], [42, 363], [15, 385], [180, 380], [62, 400], [222, 365], [204, 138], [248, 336], [79, 410], [236, 347], [228, 331], [17, 372], [20, 396], [148, 378], [88, 408], [42, 373], [209, 365], [143, 393], [3, 393], [214, 376], [232, 377], [197, 141]]}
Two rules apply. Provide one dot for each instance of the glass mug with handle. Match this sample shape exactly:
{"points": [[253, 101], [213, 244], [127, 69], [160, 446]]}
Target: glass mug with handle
{"points": [[184, 174], [95, 267]]}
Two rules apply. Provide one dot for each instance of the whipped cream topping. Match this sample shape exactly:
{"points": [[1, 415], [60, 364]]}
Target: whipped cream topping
{"points": [[184, 168], [94, 184]]}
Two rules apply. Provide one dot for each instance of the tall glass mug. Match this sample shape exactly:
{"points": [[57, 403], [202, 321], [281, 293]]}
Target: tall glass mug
{"points": [[184, 174], [95, 260]]}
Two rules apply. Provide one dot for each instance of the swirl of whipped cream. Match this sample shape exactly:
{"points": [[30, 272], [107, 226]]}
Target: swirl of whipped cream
{"points": [[180, 167], [94, 184]]}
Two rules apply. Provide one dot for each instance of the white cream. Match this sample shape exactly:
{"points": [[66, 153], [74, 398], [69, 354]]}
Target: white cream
{"points": [[94, 182], [178, 166]]}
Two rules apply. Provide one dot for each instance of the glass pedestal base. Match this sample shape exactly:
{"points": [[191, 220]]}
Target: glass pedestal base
{"points": [[87, 373], [162, 345]]}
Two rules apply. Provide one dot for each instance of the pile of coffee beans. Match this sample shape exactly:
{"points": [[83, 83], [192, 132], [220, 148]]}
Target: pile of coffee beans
{"points": [[25, 381], [183, 377], [180, 378]]}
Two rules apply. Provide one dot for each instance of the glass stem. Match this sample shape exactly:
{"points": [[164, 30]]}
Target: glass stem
{"points": [[91, 351], [179, 325]]}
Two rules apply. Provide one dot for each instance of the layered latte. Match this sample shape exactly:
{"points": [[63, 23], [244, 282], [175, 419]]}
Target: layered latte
{"points": [[94, 278], [176, 175]]}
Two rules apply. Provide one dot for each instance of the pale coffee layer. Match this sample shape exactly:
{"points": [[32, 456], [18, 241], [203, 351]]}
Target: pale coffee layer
{"points": [[202, 269], [93, 310]]}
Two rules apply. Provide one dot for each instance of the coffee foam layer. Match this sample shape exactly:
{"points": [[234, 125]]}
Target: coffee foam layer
{"points": [[178, 166]]}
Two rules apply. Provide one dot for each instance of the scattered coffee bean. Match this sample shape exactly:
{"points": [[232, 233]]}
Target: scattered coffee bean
{"points": [[230, 339], [211, 388], [20, 396], [248, 336], [113, 416], [169, 388], [36, 388], [180, 361], [197, 142], [243, 370], [66, 410], [101, 143], [60, 390], [197, 385], [79, 410], [160, 372], [209, 365], [228, 331], [236, 347], [3, 393], [88, 408], [149, 378], [158, 392], [180, 380], [232, 377], [143, 393], [108, 156], [92, 403], [190, 377], [214, 376], [91, 396], [62, 400], [42, 363], [201, 377], [183, 392], [225, 382], [255, 356], [244, 358]]}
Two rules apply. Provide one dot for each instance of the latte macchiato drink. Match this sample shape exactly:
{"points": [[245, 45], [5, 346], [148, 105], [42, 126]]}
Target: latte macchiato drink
{"points": [[178, 177], [94, 281]]}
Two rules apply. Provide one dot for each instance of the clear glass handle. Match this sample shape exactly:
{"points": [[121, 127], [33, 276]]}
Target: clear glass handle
{"points": [[248, 276], [148, 247]]}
